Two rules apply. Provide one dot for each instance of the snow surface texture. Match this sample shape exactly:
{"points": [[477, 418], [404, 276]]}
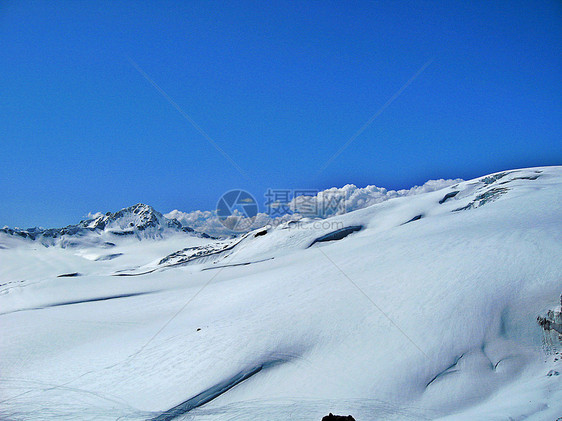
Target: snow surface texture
{"points": [[336, 201], [426, 309]]}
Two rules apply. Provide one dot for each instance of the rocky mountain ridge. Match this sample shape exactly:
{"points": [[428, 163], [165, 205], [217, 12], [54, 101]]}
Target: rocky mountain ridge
{"points": [[139, 220]]}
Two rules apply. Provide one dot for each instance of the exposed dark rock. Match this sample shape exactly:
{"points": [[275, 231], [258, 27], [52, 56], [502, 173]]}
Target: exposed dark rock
{"points": [[548, 324], [495, 177], [174, 223], [191, 253], [258, 234], [531, 177], [467, 207], [483, 198], [332, 417], [69, 275], [337, 235], [490, 195], [552, 323], [415, 218], [448, 196], [121, 233]]}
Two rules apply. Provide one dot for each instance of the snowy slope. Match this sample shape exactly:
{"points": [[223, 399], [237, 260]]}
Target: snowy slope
{"points": [[425, 309]]}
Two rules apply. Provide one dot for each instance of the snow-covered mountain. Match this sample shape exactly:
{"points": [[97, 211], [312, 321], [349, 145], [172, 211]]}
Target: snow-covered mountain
{"points": [[143, 221], [138, 217], [139, 221], [439, 305]]}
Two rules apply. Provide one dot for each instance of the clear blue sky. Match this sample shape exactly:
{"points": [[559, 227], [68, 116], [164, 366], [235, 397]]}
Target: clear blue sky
{"points": [[279, 86]]}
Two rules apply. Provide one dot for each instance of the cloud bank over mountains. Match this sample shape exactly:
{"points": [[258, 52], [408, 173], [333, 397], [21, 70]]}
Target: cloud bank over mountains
{"points": [[330, 202]]}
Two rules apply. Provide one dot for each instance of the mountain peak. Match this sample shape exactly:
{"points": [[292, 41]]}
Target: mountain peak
{"points": [[139, 216], [140, 220]]}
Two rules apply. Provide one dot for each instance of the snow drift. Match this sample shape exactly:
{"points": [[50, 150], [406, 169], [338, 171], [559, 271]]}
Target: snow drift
{"points": [[428, 311]]}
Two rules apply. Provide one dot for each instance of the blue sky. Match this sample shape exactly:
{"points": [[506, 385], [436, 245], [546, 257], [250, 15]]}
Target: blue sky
{"points": [[279, 86]]}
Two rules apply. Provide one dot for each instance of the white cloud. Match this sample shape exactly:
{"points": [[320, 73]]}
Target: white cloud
{"points": [[330, 202]]}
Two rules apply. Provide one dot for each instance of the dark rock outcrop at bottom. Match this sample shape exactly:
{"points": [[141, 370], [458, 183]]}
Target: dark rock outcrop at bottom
{"points": [[332, 417]]}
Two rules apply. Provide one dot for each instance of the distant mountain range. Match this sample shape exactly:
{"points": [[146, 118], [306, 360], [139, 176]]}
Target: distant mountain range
{"points": [[143, 221], [140, 220]]}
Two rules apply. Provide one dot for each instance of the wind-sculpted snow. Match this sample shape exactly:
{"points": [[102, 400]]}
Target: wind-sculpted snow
{"points": [[423, 313]]}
